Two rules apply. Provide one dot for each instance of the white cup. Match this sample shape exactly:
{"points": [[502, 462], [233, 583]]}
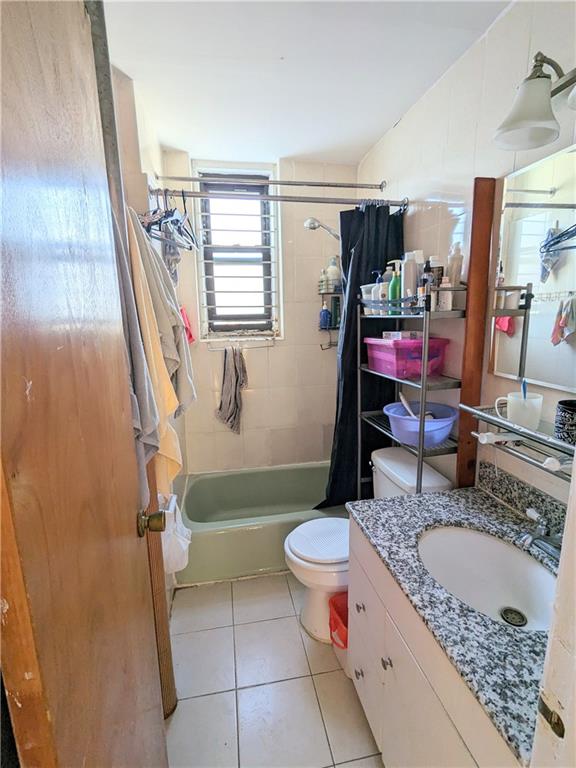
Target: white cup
{"points": [[525, 412], [512, 300]]}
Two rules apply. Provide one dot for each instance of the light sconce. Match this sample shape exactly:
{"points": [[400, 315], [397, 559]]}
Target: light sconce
{"points": [[531, 122]]}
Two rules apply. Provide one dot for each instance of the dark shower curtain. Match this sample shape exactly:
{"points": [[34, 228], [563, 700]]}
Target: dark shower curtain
{"points": [[370, 238]]}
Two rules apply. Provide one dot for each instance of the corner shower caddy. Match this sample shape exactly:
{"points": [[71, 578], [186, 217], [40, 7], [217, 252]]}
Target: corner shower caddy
{"points": [[397, 311]]}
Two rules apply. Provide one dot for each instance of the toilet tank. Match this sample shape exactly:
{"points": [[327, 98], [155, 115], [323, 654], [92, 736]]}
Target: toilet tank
{"points": [[394, 474]]}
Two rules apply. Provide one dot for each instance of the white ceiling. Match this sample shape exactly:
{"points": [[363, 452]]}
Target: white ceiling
{"points": [[261, 80]]}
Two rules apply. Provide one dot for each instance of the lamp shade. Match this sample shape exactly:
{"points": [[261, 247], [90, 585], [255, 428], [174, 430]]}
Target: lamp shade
{"points": [[531, 122]]}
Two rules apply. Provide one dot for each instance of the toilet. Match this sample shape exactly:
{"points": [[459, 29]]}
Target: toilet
{"points": [[317, 551]]}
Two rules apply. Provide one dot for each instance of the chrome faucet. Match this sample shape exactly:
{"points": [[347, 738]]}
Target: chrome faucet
{"points": [[541, 537]]}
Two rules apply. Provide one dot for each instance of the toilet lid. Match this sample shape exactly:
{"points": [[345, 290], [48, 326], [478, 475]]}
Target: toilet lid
{"points": [[324, 540]]}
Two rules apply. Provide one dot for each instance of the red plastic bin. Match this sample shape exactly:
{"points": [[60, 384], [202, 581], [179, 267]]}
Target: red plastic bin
{"points": [[403, 357], [339, 619]]}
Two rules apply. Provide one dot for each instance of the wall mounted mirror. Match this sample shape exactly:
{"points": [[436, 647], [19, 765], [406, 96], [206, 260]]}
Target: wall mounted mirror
{"points": [[537, 246]]}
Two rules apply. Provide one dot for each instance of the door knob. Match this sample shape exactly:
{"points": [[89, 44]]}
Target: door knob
{"points": [[156, 522]]}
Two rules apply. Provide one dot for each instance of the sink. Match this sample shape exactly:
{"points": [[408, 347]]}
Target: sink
{"points": [[490, 575]]}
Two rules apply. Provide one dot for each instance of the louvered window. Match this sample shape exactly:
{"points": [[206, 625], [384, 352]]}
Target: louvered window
{"points": [[239, 275]]}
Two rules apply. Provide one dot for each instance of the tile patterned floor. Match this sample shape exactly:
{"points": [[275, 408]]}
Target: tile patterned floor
{"points": [[255, 690]]}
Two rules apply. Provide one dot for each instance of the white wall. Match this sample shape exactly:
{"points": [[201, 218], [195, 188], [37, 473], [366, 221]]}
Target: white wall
{"points": [[445, 140], [290, 402]]}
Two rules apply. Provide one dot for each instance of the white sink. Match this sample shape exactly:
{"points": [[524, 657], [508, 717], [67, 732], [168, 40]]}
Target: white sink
{"points": [[489, 575]]}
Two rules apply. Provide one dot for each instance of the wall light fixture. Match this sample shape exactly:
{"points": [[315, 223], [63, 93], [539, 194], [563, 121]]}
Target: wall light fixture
{"points": [[531, 122]]}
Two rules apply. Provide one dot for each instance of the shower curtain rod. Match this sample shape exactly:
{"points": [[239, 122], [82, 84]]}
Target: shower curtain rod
{"points": [[179, 193], [272, 182]]}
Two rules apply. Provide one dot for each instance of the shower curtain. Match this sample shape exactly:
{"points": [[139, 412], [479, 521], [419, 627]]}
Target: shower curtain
{"points": [[370, 237]]}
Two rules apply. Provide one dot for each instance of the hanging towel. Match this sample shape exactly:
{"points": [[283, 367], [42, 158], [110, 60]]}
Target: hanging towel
{"points": [[143, 405], [548, 258], [556, 337], [169, 458], [171, 327], [568, 318], [506, 325], [234, 380], [187, 326]]}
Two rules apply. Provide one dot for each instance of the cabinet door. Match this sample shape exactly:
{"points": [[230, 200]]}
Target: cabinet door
{"points": [[416, 730], [366, 681]]}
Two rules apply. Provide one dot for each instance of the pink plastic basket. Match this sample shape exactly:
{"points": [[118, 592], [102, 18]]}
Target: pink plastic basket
{"points": [[403, 357]]}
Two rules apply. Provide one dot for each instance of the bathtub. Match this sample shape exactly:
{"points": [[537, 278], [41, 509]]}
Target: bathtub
{"points": [[239, 519]]}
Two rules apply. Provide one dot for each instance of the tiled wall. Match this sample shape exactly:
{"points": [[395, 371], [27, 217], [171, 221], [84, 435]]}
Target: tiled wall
{"points": [[289, 405], [433, 154]]}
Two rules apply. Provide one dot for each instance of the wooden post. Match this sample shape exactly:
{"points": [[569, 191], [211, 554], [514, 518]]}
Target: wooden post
{"points": [[476, 315]]}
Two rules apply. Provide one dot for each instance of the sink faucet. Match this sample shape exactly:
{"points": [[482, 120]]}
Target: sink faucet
{"points": [[550, 543]]}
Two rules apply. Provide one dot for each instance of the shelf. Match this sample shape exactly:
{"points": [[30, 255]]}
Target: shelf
{"points": [[330, 328], [380, 421], [509, 312], [543, 436], [434, 382], [451, 315]]}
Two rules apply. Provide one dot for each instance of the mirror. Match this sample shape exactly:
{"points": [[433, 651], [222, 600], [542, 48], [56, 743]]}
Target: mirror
{"points": [[538, 246]]}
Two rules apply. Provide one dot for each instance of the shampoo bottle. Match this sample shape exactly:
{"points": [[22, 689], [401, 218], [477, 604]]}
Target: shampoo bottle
{"points": [[376, 292], [409, 277], [455, 259], [395, 287], [325, 317]]}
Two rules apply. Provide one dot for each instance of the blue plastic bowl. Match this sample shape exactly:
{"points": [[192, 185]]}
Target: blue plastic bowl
{"points": [[405, 427]]}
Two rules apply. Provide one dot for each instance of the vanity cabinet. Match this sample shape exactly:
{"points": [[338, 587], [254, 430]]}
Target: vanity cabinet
{"points": [[409, 723], [419, 709]]}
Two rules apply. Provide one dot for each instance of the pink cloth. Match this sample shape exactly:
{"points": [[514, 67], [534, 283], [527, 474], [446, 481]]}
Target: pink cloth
{"points": [[506, 325], [187, 326]]}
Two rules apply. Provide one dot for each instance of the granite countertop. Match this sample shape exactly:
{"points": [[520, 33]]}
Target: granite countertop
{"points": [[501, 665]]}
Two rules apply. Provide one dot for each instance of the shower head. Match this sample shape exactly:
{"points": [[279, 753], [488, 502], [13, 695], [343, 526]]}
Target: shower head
{"points": [[315, 224]]}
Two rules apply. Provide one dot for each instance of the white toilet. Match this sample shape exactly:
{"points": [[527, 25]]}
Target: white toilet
{"points": [[317, 551]]}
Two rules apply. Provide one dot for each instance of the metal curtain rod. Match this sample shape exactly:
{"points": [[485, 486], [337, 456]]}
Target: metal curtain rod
{"points": [[272, 182], [179, 193]]}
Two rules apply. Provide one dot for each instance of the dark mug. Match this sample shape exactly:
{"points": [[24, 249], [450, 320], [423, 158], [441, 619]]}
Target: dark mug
{"points": [[565, 421]]}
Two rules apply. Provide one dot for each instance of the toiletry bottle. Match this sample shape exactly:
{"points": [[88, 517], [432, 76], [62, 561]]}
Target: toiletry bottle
{"points": [[323, 283], [419, 259], [325, 317], [428, 284], [444, 303], [409, 275], [500, 281], [395, 288], [437, 267], [388, 274], [427, 274], [376, 310], [333, 274], [455, 260]]}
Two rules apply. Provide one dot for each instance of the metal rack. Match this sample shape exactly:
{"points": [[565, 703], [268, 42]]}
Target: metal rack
{"points": [[522, 311], [539, 448], [396, 311]]}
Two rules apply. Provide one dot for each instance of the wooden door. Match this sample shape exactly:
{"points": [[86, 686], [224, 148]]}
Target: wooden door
{"points": [[78, 652]]}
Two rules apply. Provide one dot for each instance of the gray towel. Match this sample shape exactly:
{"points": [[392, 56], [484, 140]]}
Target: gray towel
{"points": [[234, 380]]}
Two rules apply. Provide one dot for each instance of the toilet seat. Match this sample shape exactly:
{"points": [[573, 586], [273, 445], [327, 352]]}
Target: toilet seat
{"points": [[321, 542]]}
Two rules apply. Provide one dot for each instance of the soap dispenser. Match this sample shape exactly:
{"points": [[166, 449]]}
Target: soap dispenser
{"points": [[325, 317], [379, 291]]}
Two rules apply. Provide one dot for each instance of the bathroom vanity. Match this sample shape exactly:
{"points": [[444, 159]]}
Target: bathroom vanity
{"points": [[441, 683]]}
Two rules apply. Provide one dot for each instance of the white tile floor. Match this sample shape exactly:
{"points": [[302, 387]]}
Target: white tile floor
{"points": [[255, 691]]}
